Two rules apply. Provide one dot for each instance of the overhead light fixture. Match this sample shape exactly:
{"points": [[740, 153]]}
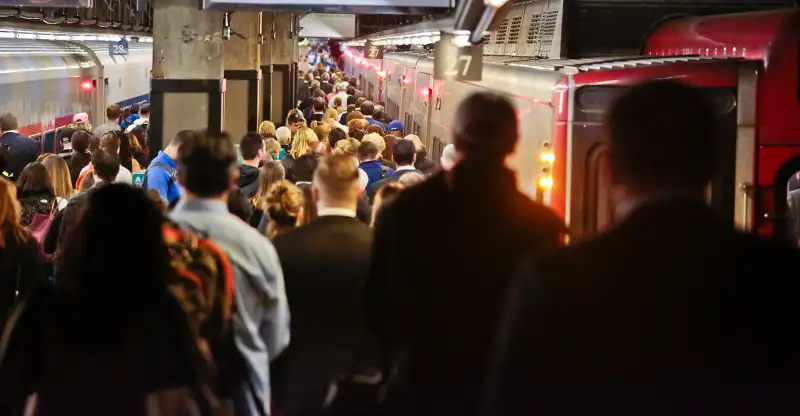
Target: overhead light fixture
{"points": [[7, 35]]}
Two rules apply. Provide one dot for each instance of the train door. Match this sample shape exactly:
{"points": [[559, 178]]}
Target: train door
{"points": [[591, 207], [438, 129], [422, 105], [778, 193]]}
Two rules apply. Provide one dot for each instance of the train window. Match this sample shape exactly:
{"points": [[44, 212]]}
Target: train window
{"points": [[597, 99], [370, 91], [435, 153], [407, 121], [722, 100]]}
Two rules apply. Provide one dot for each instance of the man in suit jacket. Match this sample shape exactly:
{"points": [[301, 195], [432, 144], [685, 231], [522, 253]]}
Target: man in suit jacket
{"points": [[22, 150], [671, 311], [443, 256], [325, 265], [404, 155]]}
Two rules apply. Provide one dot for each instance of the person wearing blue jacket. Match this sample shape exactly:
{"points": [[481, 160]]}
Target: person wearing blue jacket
{"points": [[160, 175]]}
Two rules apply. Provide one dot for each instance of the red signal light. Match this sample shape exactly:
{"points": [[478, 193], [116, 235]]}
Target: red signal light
{"points": [[87, 85]]}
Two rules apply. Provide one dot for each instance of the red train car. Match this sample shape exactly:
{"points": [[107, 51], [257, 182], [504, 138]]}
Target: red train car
{"points": [[769, 40]]}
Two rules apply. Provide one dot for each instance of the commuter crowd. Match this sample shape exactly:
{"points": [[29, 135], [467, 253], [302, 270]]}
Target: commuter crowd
{"points": [[329, 267]]}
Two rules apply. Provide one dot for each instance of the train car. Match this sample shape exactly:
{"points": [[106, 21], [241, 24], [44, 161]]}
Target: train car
{"points": [[46, 82], [560, 105], [769, 39]]}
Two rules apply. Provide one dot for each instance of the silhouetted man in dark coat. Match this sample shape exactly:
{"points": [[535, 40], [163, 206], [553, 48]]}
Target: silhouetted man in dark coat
{"points": [[671, 311], [443, 255]]}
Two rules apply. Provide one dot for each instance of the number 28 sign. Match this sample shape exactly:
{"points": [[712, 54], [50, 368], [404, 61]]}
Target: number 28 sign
{"points": [[118, 48], [457, 63]]}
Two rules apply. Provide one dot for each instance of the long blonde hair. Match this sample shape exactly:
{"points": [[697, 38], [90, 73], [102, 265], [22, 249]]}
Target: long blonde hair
{"points": [[10, 214], [60, 178], [272, 172], [302, 140], [284, 205]]}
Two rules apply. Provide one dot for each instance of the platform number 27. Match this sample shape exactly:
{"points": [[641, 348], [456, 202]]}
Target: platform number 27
{"points": [[373, 53], [453, 64], [119, 49]]}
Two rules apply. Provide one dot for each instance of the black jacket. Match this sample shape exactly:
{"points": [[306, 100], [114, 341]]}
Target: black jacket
{"points": [[22, 151], [21, 269], [248, 180], [327, 307], [65, 220], [438, 277], [669, 312]]}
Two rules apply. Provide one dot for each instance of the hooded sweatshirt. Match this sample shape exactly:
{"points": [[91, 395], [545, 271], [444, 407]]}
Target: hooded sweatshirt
{"points": [[248, 180]]}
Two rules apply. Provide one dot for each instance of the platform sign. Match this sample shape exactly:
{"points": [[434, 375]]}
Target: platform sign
{"points": [[373, 51], [457, 63], [118, 48], [48, 3], [138, 179], [394, 7]]}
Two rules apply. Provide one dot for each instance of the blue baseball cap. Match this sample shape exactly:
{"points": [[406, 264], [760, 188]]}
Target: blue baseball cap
{"points": [[395, 125]]}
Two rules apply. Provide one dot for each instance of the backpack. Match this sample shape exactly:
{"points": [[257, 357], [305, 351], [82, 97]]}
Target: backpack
{"points": [[203, 285], [384, 172], [169, 170]]}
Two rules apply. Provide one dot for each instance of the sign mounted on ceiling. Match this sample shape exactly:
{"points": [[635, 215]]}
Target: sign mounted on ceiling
{"points": [[405, 7], [118, 48], [373, 51], [457, 63]]}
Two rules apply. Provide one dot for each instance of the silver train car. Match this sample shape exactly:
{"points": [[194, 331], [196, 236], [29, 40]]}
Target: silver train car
{"points": [[46, 82]]}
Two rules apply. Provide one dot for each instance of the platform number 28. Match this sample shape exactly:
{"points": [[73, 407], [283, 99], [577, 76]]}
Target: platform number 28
{"points": [[119, 49], [454, 64]]}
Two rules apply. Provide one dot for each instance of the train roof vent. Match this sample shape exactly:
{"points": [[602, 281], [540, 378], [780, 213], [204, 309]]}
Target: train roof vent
{"points": [[513, 32], [502, 31]]}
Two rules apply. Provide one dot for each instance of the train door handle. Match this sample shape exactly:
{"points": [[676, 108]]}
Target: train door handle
{"points": [[438, 103], [746, 189]]}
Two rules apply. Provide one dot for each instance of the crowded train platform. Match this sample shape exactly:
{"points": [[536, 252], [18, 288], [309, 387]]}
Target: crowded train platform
{"points": [[348, 260]]}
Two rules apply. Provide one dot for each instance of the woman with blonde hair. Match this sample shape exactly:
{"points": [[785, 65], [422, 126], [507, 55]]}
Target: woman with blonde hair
{"points": [[267, 129], [60, 179], [304, 137], [21, 267], [323, 130], [284, 205], [42, 157], [273, 148], [271, 173], [357, 124], [332, 114], [385, 195]]}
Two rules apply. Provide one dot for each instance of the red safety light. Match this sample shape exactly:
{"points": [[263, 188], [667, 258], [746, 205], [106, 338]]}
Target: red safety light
{"points": [[87, 85], [406, 80], [426, 92]]}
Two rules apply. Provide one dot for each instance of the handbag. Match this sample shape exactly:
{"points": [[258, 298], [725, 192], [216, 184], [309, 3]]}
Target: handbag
{"points": [[40, 226], [366, 392]]}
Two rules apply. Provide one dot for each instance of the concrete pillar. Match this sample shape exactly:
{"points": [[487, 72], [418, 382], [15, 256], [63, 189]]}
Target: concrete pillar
{"points": [[279, 65], [187, 84], [242, 63]]}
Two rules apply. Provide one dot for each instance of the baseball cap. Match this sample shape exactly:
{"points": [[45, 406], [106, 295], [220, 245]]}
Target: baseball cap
{"points": [[80, 118], [395, 125]]}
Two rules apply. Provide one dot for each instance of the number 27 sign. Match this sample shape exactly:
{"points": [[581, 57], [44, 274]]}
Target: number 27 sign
{"points": [[457, 63]]}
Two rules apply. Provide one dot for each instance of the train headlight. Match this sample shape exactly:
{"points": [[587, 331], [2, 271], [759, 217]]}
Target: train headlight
{"points": [[545, 182], [548, 157]]}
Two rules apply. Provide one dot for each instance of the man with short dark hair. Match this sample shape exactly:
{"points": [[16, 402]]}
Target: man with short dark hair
{"points": [[110, 142], [404, 154], [106, 167], [161, 174], [252, 150], [326, 264], [443, 308], [335, 136], [671, 310], [113, 116], [143, 120], [370, 163], [207, 170], [318, 110], [21, 150], [368, 110]]}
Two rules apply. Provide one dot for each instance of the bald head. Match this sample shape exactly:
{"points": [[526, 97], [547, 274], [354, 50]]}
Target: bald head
{"points": [[485, 127]]}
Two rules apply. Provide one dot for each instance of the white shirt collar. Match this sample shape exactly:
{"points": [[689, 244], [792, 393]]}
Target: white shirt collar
{"points": [[333, 211], [302, 183], [11, 131], [399, 168]]}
